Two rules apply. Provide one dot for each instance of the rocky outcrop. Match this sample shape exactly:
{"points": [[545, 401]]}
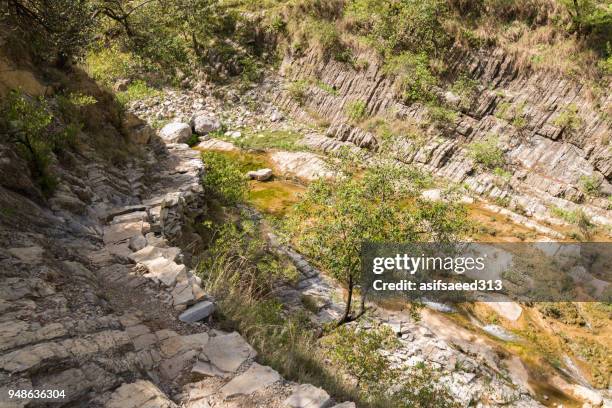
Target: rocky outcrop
{"points": [[549, 155], [96, 301], [301, 165]]}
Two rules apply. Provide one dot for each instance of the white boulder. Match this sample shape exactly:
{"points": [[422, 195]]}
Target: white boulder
{"points": [[203, 124], [175, 132]]}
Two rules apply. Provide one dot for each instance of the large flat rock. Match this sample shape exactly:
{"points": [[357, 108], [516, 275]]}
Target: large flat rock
{"points": [[303, 165], [151, 252], [308, 396], [141, 394], [209, 370], [164, 270], [32, 254], [253, 379], [115, 233], [228, 352]]}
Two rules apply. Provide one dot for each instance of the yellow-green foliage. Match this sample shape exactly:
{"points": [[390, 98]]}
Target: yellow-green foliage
{"points": [[415, 80], [135, 91], [487, 152], [395, 27], [569, 119], [36, 131], [297, 89], [270, 139], [355, 110], [108, 64], [223, 179], [358, 353]]}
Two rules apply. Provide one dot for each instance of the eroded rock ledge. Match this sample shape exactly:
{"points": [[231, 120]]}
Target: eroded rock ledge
{"points": [[93, 289]]}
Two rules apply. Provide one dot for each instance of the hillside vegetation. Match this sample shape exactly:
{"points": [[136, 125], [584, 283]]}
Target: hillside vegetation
{"points": [[161, 41]]}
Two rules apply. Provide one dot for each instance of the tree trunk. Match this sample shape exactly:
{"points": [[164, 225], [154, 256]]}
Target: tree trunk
{"points": [[347, 311], [362, 308], [578, 18], [196, 45]]}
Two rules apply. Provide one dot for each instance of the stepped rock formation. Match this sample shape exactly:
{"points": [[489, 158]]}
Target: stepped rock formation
{"points": [[92, 289], [548, 158]]}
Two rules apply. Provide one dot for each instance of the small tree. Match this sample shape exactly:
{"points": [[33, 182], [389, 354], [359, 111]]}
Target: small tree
{"points": [[28, 124], [338, 215], [56, 30]]}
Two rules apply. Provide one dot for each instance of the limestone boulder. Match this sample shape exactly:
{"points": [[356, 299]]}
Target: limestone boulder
{"points": [[175, 132], [308, 396], [203, 124]]}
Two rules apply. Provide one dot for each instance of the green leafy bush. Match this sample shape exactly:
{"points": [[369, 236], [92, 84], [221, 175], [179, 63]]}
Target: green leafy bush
{"points": [[466, 88], [487, 152], [193, 140], [397, 26], [223, 179], [414, 77], [29, 124], [590, 185], [503, 174], [441, 116], [569, 119], [327, 88], [358, 352], [297, 90], [326, 35], [355, 110], [108, 64], [239, 265]]}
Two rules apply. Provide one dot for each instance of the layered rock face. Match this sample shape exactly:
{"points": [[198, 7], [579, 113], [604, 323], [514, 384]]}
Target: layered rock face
{"points": [[99, 304], [548, 156]]}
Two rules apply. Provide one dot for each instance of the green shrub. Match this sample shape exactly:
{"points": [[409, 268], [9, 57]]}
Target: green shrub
{"points": [[397, 26], [29, 124], [466, 88], [578, 218], [239, 265], [355, 110], [326, 36], [108, 64], [297, 90], [566, 215], [223, 179], [270, 139], [503, 174], [276, 25], [357, 352], [590, 185], [327, 88], [513, 113], [487, 152], [193, 140], [441, 116], [569, 119], [414, 78], [252, 70]]}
